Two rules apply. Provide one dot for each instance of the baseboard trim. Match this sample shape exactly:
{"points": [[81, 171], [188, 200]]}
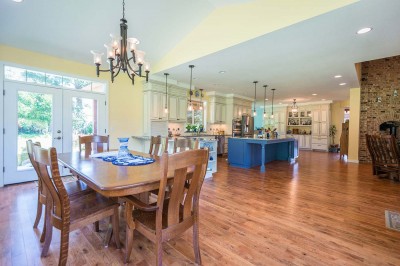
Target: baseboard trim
{"points": [[352, 161]]}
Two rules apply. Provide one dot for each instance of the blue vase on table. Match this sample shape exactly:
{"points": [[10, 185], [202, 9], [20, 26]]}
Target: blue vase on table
{"points": [[123, 151]]}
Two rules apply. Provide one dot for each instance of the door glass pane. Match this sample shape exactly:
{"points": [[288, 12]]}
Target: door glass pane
{"points": [[84, 119], [34, 122]]}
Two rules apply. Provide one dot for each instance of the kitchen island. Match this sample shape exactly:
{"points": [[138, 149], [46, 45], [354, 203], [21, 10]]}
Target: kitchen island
{"points": [[250, 152]]}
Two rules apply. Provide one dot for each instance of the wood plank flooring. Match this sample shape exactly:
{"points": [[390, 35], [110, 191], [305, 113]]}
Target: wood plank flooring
{"points": [[318, 211]]}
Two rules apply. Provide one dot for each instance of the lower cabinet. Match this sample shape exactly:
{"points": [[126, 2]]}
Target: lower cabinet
{"points": [[212, 156], [304, 141], [319, 143]]}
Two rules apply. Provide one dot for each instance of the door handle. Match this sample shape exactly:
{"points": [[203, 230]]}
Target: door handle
{"points": [[58, 138]]}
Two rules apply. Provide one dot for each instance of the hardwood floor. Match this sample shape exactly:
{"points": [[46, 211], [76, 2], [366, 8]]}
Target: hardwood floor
{"points": [[319, 211]]}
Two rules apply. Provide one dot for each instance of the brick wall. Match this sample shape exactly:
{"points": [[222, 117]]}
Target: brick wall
{"points": [[379, 78]]}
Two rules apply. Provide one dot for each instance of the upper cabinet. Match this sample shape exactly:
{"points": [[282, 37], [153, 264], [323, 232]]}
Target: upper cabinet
{"points": [[177, 108], [158, 107], [217, 113]]}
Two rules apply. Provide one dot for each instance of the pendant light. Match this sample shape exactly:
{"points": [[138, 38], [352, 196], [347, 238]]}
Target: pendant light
{"points": [[190, 107], [294, 106], [166, 93], [273, 94], [265, 97], [201, 101], [255, 94]]}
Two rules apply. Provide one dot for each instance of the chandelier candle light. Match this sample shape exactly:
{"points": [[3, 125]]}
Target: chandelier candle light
{"points": [[255, 94], [190, 107], [294, 106], [117, 55], [166, 93], [265, 98]]}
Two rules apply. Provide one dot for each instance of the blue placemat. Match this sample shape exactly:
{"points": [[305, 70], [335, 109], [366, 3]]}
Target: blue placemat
{"points": [[131, 160]]}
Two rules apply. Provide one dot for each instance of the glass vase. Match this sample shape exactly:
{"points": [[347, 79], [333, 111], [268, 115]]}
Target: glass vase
{"points": [[123, 151]]}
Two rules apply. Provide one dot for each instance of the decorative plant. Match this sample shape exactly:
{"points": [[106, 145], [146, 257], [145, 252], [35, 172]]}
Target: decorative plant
{"points": [[332, 133], [193, 128], [188, 127]]}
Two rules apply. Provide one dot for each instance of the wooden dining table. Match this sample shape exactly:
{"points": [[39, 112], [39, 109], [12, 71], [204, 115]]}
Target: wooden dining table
{"points": [[112, 180]]}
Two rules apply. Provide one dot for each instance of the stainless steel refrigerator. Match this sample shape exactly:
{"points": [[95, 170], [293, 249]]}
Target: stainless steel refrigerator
{"points": [[247, 126]]}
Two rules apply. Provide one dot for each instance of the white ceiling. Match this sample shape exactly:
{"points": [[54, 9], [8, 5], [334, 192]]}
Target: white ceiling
{"points": [[297, 60]]}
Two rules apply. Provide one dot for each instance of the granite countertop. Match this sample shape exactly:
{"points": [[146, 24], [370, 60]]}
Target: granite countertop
{"points": [[187, 136]]}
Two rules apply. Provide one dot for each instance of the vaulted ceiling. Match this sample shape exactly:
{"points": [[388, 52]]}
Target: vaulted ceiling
{"points": [[295, 46]]}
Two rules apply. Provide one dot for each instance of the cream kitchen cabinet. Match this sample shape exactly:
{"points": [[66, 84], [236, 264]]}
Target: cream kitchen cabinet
{"points": [[177, 108], [320, 127], [157, 111], [217, 113]]}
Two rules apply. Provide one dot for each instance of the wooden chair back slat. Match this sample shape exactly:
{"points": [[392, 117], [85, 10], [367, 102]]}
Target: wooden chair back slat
{"points": [[384, 153], [180, 164], [185, 144], [60, 199], [94, 143], [155, 144]]}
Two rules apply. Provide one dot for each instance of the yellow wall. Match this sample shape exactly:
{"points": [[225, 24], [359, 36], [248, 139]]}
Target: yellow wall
{"points": [[354, 124], [337, 109], [125, 101]]}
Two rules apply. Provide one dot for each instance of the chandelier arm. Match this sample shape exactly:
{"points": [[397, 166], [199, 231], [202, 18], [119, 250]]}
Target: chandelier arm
{"points": [[116, 74], [132, 77]]}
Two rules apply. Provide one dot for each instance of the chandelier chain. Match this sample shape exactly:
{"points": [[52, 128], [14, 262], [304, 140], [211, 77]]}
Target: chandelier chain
{"points": [[123, 9]]}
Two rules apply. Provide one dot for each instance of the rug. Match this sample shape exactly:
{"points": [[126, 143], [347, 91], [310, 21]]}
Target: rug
{"points": [[392, 220]]}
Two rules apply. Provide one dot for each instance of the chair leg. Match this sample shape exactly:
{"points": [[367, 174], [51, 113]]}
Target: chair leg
{"points": [[64, 243], [43, 235], [130, 226], [158, 252], [38, 211], [196, 246], [115, 225], [48, 229], [96, 226], [128, 243]]}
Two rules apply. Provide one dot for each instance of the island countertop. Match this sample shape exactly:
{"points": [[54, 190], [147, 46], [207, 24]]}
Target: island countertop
{"points": [[250, 152]]}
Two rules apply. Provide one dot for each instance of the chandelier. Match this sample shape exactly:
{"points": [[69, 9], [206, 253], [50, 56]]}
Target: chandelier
{"points": [[190, 107], [273, 94], [294, 106], [117, 55], [255, 94], [265, 98]]}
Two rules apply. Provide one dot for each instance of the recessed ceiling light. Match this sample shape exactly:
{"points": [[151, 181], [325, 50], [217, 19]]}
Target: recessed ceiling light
{"points": [[338, 76], [222, 72], [364, 30], [342, 84], [314, 94], [323, 99], [280, 103], [266, 99], [18, 1]]}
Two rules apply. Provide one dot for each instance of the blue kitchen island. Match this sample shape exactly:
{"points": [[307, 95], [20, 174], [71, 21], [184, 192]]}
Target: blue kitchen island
{"points": [[249, 152]]}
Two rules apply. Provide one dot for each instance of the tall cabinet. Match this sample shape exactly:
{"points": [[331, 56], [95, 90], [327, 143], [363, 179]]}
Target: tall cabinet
{"points": [[320, 127]]}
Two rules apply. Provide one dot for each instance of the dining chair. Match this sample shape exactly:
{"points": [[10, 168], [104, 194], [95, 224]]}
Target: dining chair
{"points": [[94, 143], [73, 189], [385, 154], [156, 144], [185, 144], [64, 213], [166, 219]]}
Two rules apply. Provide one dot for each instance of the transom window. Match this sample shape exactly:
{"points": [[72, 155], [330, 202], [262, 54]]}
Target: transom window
{"points": [[43, 78]]}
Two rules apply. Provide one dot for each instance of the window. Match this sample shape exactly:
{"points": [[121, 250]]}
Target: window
{"points": [[42, 78], [197, 116]]}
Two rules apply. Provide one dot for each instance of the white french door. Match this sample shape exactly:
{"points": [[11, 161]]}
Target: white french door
{"points": [[52, 116]]}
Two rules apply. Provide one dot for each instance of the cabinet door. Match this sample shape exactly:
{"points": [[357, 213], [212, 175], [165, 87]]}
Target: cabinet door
{"points": [[172, 108], [161, 108], [211, 112], [222, 115], [323, 128], [301, 141], [182, 109], [307, 142], [155, 103]]}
